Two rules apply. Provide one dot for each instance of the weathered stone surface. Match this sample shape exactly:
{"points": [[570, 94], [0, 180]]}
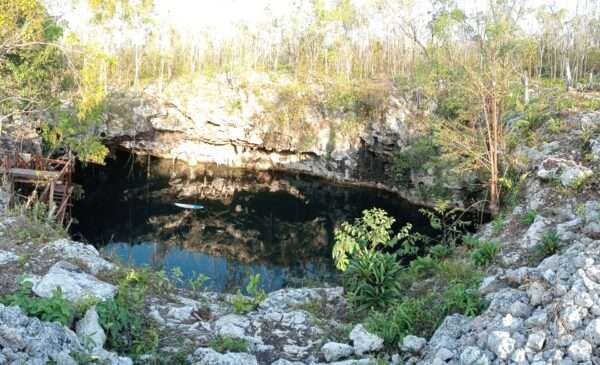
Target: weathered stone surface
{"points": [[364, 341], [74, 283], [89, 331], [333, 351], [580, 351], [206, 356], [413, 344], [6, 257], [26, 340], [81, 253], [501, 344]]}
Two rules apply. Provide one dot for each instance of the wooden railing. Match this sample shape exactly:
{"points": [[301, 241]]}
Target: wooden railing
{"points": [[53, 177]]}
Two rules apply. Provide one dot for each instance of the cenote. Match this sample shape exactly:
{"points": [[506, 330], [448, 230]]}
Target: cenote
{"points": [[276, 224]]}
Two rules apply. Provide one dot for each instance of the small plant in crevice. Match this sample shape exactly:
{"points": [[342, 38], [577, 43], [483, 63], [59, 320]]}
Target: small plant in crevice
{"points": [[224, 344], [127, 330], [498, 224], [242, 304], [485, 254], [548, 246], [528, 218]]}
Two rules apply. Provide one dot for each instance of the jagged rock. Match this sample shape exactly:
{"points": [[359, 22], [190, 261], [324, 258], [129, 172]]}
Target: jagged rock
{"points": [[232, 325], [333, 351], [89, 330], [364, 341], [286, 362], [6, 257], [592, 332], [27, 340], [501, 344], [473, 356], [536, 340], [580, 351], [567, 171], [207, 356], [535, 232], [413, 344], [86, 254], [74, 283]]}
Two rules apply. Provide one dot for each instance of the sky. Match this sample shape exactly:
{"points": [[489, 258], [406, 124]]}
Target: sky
{"points": [[221, 17]]}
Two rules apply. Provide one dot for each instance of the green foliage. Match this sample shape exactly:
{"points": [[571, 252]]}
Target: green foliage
{"points": [[460, 298], [441, 251], [198, 281], [127, 329], [419, 156], [529, 217], [448, 221], [242, 304], [409, 317], [470, 240], [548, 246], [368, 233], [485, 254], [423, 267], [498, 224], [371, 281], [53, 309], [228, 344]]}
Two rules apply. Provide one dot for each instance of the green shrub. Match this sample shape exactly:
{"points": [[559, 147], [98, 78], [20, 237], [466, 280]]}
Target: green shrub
{"points": [[529, 217], [122, 317], [548, 246], [463, 299], [53, 309], [372, 281], [498, 224], [485, 254], [470, 240], [411, 317], [228, 344], [441, 251], [423, 267], [242, 304]]}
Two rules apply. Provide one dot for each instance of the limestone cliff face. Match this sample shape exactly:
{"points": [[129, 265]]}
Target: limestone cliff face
{"points": [[224, 122]]}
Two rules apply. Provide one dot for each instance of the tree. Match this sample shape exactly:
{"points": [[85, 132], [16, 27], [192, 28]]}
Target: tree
{"points": [[32, 67], [476, 136]]}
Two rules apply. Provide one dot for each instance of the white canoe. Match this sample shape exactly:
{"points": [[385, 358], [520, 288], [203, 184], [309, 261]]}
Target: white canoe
{"points": [[189, 206]]}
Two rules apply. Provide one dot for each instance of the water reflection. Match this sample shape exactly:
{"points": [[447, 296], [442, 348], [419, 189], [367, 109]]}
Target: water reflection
{"points": [[278, 225]]}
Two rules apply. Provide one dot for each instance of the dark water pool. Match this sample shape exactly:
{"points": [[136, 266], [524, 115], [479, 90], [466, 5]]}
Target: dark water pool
{"points": [[278, 225]]}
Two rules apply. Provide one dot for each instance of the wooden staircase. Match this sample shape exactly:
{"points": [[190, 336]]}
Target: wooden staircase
{"points": [[50, 178]]}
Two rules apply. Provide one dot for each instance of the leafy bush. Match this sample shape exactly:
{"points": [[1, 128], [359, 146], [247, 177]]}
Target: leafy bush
{"points": [[228, 344], [485, 254], [242, 304], [423, 267], [53, 309], [371, 276], [121, 317], [441, 251], [420, 155], [470, 240], [371, 281], [460, 298], [447, 220], [529, 217], [409, 317]]}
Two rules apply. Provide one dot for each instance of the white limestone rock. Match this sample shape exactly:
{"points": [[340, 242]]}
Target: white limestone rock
{"points": [[74, 283], [364, 341]]}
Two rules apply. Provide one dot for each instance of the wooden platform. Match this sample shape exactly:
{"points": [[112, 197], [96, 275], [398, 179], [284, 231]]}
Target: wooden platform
{"points": [[51, 179]]}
